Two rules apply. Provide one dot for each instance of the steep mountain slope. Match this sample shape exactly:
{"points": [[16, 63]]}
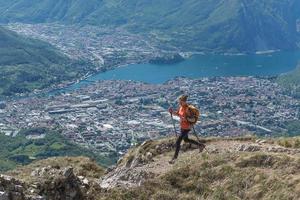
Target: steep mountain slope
{"points": [[216, 24], [232, 168], [213, 25], [27, 64], [47, 10], [16, 50], [291, 82]]}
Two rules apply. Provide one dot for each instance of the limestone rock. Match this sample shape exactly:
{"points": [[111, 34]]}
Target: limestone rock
{"points": [[248, 148]]}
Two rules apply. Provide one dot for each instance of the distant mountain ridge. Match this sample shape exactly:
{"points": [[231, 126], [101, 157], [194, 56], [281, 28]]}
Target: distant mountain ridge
{"points": [[202, 25]]}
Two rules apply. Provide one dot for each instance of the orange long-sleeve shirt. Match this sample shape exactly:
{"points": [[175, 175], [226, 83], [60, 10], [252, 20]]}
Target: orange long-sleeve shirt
{"points": [[182, 113]]}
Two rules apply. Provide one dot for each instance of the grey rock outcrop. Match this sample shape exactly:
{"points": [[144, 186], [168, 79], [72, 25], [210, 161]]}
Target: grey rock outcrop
{"points": [[249, 148], [11, 189], [52, 183], [60, 184]]}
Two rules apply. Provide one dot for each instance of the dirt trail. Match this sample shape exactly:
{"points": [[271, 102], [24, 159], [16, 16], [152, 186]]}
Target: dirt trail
{"points": [[134, 175], [160, 164]]}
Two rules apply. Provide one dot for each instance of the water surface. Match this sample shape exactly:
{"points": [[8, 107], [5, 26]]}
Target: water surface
{"points": [[199, 66]]}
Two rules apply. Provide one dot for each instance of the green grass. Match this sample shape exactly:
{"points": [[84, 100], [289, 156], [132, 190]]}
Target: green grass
{"points": [[57, 146]]}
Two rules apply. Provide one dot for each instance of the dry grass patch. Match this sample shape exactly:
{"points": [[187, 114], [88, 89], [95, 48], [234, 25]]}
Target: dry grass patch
{"points": [[222, 176], [289, 142]]}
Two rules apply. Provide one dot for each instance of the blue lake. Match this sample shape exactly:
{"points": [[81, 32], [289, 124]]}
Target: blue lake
{"points": [[202, 66]]}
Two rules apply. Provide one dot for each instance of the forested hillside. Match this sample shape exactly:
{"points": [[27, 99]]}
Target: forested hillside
{"points": [[27, 64], [218, 25]]}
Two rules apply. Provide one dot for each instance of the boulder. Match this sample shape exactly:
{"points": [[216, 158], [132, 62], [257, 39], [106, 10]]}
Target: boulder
{"points": [[248, 148], [11, 189], [60, 184]]}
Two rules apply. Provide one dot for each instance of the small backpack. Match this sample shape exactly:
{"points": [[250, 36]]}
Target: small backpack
{"points": [[194, 115]]}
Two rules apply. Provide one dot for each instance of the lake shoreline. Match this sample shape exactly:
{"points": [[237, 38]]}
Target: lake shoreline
{"points": [[209, 61]]}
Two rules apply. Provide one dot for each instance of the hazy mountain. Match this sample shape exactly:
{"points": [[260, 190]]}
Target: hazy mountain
{"points": [[27, 64], [234, 25], [46, 10]]}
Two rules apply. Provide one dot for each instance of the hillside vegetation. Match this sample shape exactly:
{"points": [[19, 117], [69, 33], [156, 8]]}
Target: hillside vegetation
{"points": [[203, 25], [235, 168], [232, 168], [17, 151], [226, 176], [291, 82], [27, 64]]}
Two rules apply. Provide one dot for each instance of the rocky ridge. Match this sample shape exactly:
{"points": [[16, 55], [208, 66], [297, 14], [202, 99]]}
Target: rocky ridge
{"points": [[81, 178]]}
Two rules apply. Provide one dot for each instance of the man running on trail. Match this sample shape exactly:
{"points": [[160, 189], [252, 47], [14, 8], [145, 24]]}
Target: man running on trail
{"points": [[185, 126]]}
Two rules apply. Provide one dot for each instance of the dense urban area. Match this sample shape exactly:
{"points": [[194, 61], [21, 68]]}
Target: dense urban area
{"points": [[110, 116], [105, 47]]}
